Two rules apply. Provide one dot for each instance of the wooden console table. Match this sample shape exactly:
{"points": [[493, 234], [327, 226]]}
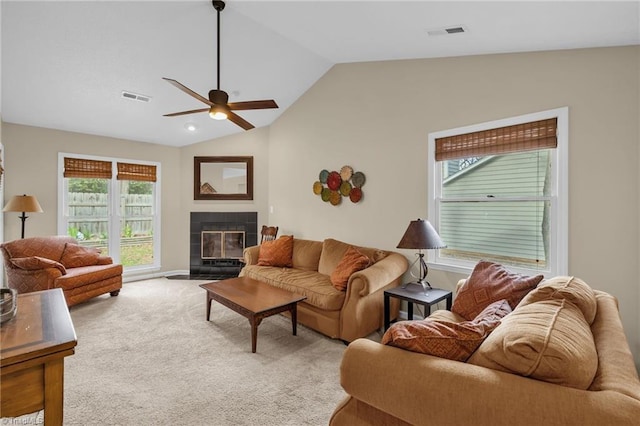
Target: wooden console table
{"points": [[32, 350]]}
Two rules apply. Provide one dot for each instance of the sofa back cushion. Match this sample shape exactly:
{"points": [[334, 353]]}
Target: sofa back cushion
{"points": [[488, 283], [75, 256], [549, 340], [47, 247], [277, 252], [306, 254], [334, 250]]}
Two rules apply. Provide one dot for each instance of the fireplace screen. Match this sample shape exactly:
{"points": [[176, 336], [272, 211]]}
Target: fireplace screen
{"points": [[222, 244]]}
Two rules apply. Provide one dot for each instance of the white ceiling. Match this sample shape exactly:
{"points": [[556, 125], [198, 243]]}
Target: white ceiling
{"points": [[65, 64]]}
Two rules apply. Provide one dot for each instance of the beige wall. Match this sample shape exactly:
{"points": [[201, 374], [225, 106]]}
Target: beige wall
{"points": [[32, 168], [375, 117]]}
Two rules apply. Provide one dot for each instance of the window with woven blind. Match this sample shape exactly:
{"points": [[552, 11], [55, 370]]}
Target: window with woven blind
{"points": [[111, 204], [497, 193]]}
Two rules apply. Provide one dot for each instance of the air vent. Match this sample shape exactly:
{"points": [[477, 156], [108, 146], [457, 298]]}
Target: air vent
{"points": [[446, 31], [135, 96]]}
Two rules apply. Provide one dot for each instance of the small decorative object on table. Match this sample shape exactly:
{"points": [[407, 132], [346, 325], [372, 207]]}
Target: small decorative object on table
{"points": [[8, 305]]}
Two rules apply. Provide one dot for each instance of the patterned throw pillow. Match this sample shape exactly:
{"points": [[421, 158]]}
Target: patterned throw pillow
{"points": [[446, 339], [36, 262], [352, 261], [277, 252], [488, 283], [75, 255]]}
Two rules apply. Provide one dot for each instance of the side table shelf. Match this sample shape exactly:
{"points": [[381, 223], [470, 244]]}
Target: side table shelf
{"points": [[414, 293]]}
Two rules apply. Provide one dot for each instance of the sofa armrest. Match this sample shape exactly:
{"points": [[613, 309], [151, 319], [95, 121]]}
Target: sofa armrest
{"points": [[379, 275], [104, 260], [422, 389], [35, 263], [251, 254]]}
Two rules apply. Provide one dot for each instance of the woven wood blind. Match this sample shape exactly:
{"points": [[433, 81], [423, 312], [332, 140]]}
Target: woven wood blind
{"points": [[521, 137], [83, 168], [141, 172]]}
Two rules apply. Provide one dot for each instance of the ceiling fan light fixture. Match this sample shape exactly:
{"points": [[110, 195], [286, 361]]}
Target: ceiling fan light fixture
{"points": [[218, 112]]}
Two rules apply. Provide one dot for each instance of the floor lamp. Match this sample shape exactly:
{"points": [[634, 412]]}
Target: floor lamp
{"points": [[420, 235], [23, 203]]}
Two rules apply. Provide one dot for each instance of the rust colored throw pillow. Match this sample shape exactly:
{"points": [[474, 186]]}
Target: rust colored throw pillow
{"points": [[352, 261], [488, 283], [277, 252], [74, 256], [446, 339], [33, 263]]}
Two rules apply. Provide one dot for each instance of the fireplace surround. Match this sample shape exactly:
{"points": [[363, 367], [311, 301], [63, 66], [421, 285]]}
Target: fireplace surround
{"points": [[224, 235]]}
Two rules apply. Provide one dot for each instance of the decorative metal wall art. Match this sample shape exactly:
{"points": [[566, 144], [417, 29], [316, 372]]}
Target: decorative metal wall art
{"points": [[332, 186]]}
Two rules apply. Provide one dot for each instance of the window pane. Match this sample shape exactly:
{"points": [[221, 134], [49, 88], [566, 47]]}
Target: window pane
{"points": [[525, 174], [89, 212], [508, 232], [136, 226]]}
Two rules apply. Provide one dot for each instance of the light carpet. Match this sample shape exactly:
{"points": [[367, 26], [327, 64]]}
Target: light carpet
{"points": [[149, 357]]}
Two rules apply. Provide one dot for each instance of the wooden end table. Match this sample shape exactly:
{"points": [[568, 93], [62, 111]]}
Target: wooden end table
{"points": [[414, 293], [254, 300], [34, 344]]}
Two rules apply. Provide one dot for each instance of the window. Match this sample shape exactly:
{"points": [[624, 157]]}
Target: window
{"points": [[499, 192], [111, 204]]}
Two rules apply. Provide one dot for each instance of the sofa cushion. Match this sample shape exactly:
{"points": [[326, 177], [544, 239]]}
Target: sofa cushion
{"points": [[47, 247], [573, 289], [315, 286], [549, 340], [334, 250], [306, 254], [352, 261], [488, 283], [84, 275], [75, 255], [36, 262], [446, 339], [277, 252]]}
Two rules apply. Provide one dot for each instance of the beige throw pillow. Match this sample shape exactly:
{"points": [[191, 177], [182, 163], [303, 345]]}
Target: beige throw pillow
{"points": [[549, 340]]}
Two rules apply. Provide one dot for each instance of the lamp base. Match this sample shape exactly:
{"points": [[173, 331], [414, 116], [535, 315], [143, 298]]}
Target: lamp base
{"points": [[425, 285]]}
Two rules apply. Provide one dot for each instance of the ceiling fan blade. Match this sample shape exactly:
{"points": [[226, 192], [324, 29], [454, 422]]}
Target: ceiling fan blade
{"points": [[175, 114], [239, 121], [265, 104], [188, 91]]}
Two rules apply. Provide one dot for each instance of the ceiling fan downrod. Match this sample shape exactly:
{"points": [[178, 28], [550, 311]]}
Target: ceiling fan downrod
{"points": [[218, 5]]}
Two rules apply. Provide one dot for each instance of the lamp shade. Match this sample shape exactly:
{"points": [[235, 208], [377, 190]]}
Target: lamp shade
{"points": [[23, 203], [420, 235]]}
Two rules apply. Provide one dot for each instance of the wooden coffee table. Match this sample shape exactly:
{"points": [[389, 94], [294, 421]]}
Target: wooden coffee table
{"points": [[254, 300]]}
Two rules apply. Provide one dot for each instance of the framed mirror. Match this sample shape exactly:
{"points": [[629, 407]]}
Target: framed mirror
{"points": [[223, 178]]}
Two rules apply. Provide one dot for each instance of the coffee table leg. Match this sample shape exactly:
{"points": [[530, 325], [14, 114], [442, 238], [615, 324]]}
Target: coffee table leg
{"points": [[208, 305], [294, 319], [255, 322]]}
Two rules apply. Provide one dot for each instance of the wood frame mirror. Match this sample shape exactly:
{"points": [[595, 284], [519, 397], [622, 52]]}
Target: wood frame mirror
{"points": [[223, 178]]}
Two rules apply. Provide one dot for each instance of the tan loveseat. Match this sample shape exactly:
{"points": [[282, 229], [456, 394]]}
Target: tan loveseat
{"points": [[346, 315], [388, 385], [42, 263]]}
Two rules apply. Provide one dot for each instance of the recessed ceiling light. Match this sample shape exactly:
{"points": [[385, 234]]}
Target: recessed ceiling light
{"points": [[191, 127]]}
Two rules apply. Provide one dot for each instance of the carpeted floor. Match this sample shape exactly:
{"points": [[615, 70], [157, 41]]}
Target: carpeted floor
{"points": [[149, 357]]}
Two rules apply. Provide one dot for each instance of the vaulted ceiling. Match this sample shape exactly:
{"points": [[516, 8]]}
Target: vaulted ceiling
{"points": [[66, 64]]}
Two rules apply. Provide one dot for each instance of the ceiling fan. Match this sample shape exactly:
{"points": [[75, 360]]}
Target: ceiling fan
{"points": [[219, 106]]}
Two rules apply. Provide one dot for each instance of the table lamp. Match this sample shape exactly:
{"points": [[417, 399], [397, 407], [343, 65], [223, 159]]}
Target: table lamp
{"points": [[23, 203], [420, 235]]}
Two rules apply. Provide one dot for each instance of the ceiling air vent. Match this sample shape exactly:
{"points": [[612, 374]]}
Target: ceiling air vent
{"points": [[135, 96], [445, 31]]}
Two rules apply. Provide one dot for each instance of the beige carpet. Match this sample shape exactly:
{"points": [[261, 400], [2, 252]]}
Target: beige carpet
{"points": [[149, 357]]}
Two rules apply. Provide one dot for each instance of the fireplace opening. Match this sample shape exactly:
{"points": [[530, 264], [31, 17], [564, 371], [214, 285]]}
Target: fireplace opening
{"points": [[222, 244]]}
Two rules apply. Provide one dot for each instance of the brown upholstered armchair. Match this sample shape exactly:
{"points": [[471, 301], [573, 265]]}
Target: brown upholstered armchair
{"points": [[43, 263]]}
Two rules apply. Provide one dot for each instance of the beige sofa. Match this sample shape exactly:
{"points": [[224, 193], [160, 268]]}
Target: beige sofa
{"points": [[388, 385], [346, 315], [43, 263]]}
